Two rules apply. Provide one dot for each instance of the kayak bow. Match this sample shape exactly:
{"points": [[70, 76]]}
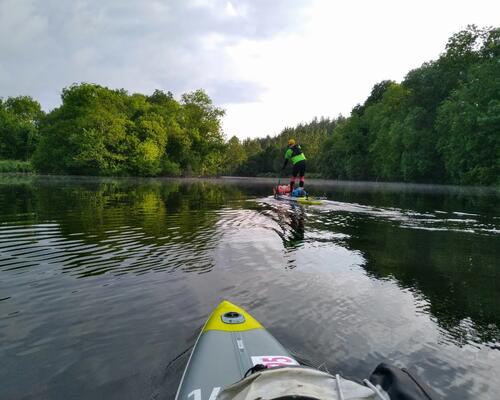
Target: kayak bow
{"points": [[229, 345], [235, 358]]}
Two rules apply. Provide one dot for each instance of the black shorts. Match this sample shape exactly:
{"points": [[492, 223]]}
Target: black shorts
{"points": [[299, 168]]}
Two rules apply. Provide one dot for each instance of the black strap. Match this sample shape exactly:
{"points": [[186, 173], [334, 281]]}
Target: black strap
{"points": [[296, 150], [255, 368]]}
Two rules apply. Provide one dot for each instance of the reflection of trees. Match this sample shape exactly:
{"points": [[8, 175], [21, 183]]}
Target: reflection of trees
{"points": [[16, 198], [171, 224], [97, 207], [456, 274], [131, 225]]}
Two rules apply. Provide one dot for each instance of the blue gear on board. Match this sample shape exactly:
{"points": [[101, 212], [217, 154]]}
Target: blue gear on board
{"points": [[299, 192]]}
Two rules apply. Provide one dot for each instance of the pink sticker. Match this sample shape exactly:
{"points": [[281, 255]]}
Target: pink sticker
{"points": [[274, 361]]}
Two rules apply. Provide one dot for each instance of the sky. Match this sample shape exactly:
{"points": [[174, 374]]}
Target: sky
{"points": [[270, 64]]}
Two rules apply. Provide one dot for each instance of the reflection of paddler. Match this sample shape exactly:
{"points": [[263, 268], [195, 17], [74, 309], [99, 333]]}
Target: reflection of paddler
{"points": [[297, 223], [296, 156], [292, 221]]}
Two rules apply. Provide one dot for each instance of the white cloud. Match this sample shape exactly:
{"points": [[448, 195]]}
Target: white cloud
{"points": [[230, 10], [177, 45], [340, 52]]}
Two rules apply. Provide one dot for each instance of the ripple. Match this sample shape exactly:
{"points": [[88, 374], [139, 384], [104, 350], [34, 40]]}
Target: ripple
{"points": [[122, 250], [435, 221]]}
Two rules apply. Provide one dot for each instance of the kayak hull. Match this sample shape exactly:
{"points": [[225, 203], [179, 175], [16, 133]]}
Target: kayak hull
{"points": [[235, 358], [224, 352]]}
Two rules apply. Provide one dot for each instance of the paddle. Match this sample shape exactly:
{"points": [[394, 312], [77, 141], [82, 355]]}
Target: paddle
{"points": [[277, 186]]}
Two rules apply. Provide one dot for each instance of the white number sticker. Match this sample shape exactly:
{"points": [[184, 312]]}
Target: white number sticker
{"points": [[196, 394]]}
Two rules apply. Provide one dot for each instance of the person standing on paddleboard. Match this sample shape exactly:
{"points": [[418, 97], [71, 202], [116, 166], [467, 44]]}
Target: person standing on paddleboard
{"points": [[296, 156]]}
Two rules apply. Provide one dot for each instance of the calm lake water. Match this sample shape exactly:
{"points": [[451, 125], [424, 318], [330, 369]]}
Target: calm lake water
{"points": [[105, 283]]}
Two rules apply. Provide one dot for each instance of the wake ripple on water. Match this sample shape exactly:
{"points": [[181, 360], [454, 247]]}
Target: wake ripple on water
{"points": [[436, 221], [452, 221], [123, 250]]}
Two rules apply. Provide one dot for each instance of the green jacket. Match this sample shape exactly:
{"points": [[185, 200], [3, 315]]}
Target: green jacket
{"points": [[294, 154]]}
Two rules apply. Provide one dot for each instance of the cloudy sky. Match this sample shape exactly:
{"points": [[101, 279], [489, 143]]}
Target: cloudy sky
{"points": [[269, 63]]}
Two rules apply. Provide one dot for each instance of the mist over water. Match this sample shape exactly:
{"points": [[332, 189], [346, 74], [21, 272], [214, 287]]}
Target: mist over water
{"points": [[105, 283]]}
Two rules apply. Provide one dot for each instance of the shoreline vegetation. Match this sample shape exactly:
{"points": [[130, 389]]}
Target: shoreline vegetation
{"points": [[315, 182], [440, 125], [18, 166]]}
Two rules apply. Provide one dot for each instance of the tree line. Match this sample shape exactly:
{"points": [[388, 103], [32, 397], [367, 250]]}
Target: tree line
{"points": [[265, 156], [99, 131], [441, 124]]}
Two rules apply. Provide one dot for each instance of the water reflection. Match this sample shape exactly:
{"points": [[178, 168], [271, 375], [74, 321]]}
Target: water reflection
{"points": [[291, 219], [111, 226], [400, 274], [454, 275]]}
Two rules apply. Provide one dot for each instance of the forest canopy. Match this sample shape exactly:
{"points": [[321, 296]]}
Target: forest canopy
{"points": [[99, 131], [441, 124]]}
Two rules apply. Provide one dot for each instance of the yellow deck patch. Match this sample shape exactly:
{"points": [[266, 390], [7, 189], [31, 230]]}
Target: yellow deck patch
{"points": [[309, 201], [214, 322]]}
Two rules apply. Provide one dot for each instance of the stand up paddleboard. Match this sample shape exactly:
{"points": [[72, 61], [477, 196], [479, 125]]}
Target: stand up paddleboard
{"points": [[280, 192], [300, 200]]}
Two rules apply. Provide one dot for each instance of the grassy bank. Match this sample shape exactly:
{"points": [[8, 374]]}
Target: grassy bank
{"points": [[15, 166]]}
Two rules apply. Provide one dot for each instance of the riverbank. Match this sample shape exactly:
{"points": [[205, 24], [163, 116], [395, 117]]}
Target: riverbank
{"points": [[15, 166], [313, 184]]}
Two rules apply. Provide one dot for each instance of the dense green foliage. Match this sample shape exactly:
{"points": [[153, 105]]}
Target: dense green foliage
{"points": [[473, 108], [98, 131], [441, 124], [15, 166], [263, 156], [19, 127]]}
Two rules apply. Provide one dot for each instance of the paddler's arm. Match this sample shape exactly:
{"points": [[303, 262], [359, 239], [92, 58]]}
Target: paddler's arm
{"points": [[288, 155]]}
